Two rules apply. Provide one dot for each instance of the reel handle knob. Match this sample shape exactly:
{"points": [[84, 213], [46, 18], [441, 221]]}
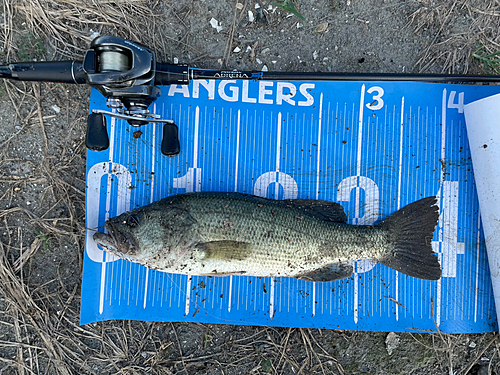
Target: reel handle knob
{"points": [[170, 145], [97, 138]]}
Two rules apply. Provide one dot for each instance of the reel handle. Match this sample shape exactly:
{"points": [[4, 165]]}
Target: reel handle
{"points": [[97, 138], [170, 145]]}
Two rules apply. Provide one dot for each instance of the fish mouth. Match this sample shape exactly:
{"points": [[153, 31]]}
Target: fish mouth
{"points": [[115, 242], [106, 241]]}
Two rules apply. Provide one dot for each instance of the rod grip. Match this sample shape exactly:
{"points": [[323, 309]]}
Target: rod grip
{"points": [[50, 71]]}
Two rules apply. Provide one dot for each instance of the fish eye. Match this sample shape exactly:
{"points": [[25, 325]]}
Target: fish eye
{"points": [[132, 221]]}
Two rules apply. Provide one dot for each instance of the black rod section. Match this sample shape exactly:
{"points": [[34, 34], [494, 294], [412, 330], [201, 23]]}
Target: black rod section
{"points": [[172, 74], [299, 76]]}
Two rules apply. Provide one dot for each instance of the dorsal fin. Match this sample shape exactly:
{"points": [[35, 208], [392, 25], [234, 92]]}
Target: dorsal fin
{"points": [[324, 210]]}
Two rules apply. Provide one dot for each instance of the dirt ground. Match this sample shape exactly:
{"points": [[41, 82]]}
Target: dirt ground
{"points": [[42, 176]]}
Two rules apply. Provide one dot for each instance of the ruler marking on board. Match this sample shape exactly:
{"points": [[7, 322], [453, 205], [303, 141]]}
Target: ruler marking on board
{"points": [[411, 280], [443, 154], [358, 195], [319, 144], [120, 149], [106, 216], [235, 189], [120, 292], [196, 187], [478, 247], [278, 155], [399, 191], [196, 134], [271, 300], [400, 153], [276, 194], [320, 117], [151, 199]]}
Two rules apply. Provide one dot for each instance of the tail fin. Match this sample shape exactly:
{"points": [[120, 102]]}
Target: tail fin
{"points": [[410, 234]]}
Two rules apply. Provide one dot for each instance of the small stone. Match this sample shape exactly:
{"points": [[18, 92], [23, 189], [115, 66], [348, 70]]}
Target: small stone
{"points": [[176, 60], [315, 55], [265, 69], [322, 28], [251, 18], [56, 108], [472, 344], [391, 342], [216, 25], [249, 49], [265, 51], [260, 16], [237, 49], [259, 61]]}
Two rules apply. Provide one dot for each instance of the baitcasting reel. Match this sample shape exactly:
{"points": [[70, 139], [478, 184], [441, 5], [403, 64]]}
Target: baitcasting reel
{"points": [[128, 75], [124, 72]]}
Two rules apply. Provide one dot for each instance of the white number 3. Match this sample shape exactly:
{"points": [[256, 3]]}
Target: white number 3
{"points": [[377, 102]]}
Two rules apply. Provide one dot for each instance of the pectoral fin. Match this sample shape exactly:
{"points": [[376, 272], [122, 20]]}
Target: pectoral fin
{"points": [[225, 250], [335, 271]]}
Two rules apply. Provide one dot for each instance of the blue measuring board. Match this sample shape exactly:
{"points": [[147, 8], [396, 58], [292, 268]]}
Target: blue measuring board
{"points": [[374, 147]]}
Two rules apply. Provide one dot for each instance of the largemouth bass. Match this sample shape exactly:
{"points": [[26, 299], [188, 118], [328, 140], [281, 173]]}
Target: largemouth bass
{"points": [[238, 234]]}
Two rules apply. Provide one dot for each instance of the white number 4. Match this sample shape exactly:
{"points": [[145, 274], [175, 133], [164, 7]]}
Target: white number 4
{"points": [[459, 105]]}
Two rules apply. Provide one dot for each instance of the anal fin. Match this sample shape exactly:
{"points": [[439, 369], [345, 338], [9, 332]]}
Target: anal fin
{"points": [[334, 271]]}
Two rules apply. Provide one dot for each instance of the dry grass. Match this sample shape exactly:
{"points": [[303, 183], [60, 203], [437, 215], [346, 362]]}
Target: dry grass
{"points": [[456, 28], [41, 316], [70, 25]]}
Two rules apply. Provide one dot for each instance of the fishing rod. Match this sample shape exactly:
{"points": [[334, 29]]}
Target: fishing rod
{"points": [[127, 74]]}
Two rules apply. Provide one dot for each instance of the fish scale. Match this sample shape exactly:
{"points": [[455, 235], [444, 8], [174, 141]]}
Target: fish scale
{"points": [[291, 229], [232, 233], [279, 238]]}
